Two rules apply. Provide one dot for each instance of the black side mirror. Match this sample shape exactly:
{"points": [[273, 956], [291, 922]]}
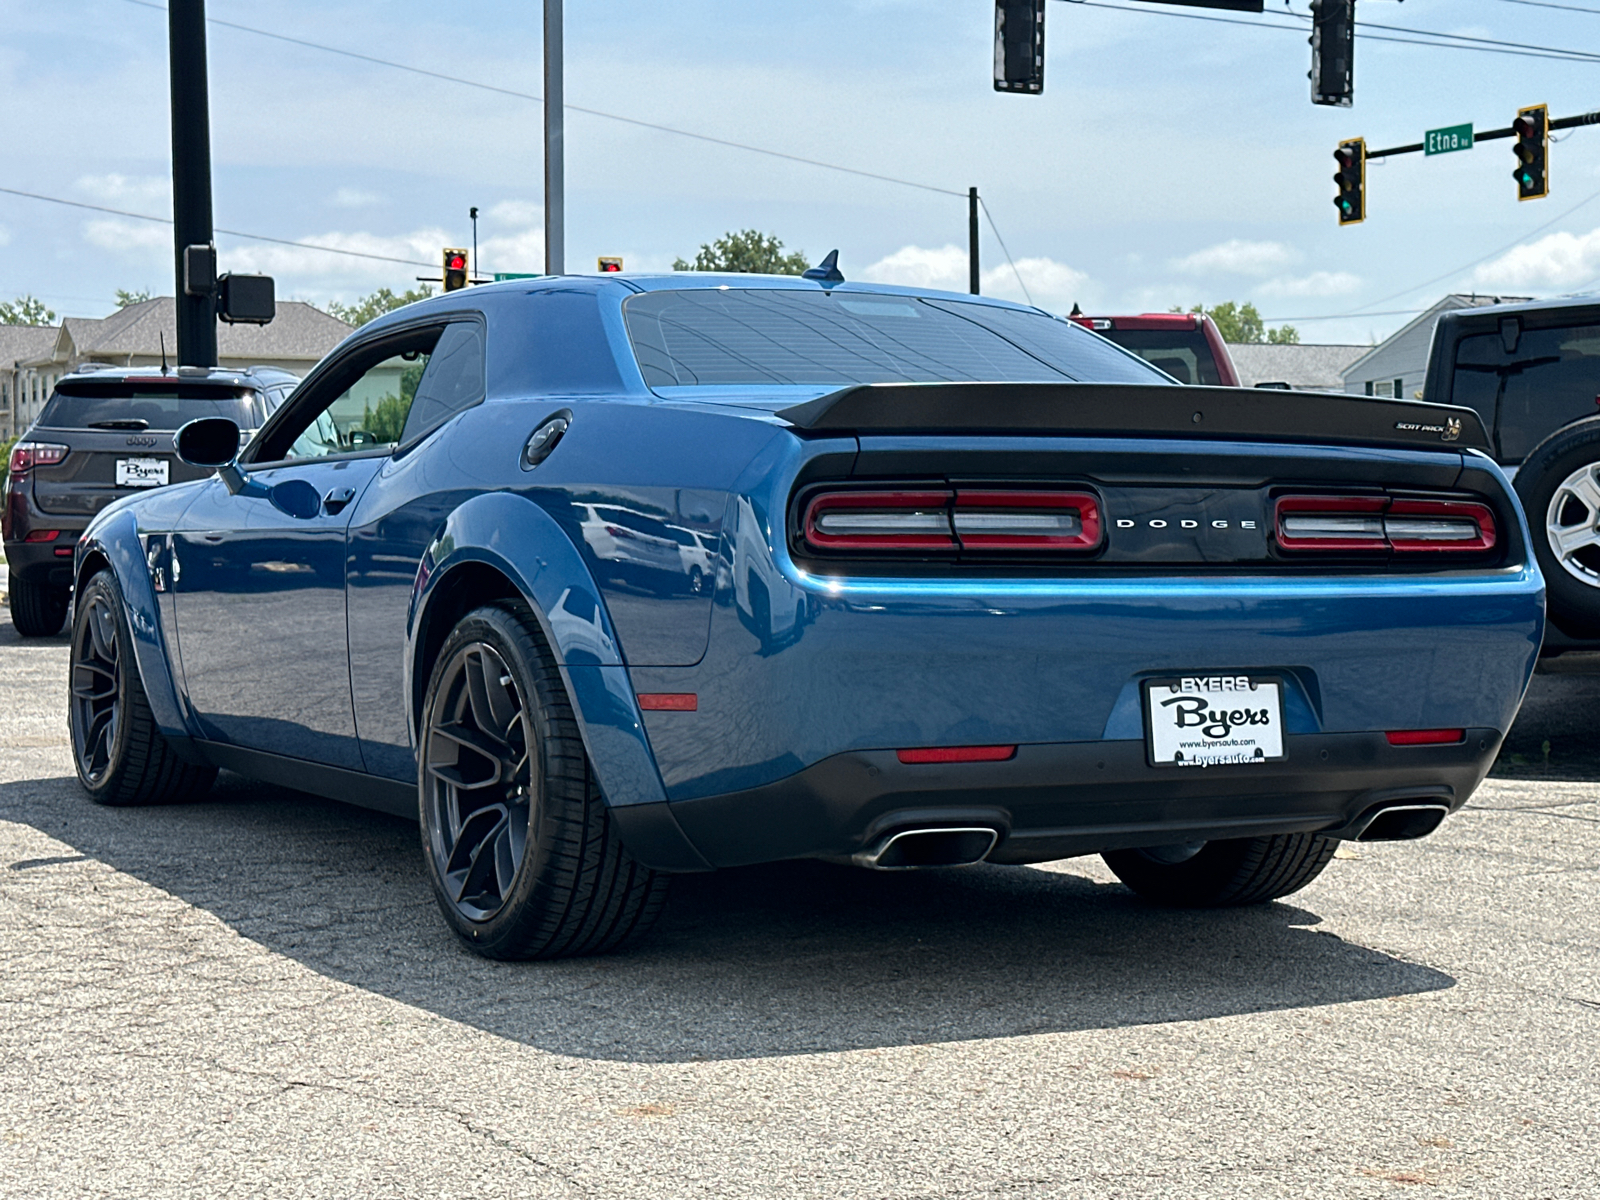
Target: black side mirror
{"points": [[207, 442]]}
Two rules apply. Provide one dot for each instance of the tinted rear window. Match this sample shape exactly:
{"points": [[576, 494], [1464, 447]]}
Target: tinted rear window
{"points": [[84, 405], [1550, 379], [767, 336], [1182, 353]]}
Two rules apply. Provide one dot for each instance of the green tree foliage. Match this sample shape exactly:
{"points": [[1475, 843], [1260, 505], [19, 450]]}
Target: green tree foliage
{"points": [[386, 421], [748, 252], [5, 460], [381, 301], [1243, 323], [125, 297], [25, 310]]}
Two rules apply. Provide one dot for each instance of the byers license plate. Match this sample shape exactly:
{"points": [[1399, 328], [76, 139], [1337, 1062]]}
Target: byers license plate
{"points": [[141, 472], [1213, 720]]}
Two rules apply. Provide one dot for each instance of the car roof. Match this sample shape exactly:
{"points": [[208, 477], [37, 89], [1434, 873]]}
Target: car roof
{"points": [[249, 376], [1490, 313]]}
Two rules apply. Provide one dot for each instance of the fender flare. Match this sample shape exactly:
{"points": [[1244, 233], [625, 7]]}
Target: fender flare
{"points": [[115, 538], [521, 541]]}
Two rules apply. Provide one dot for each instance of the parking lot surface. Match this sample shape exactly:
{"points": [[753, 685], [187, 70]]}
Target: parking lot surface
{"points": [[254, 996]]}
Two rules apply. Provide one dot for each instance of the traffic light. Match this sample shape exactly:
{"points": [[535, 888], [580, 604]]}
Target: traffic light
{"points": [[1333, 52], [1532, 131], [609, 265], [1352, 180], [1019, 46], [455, 270]]}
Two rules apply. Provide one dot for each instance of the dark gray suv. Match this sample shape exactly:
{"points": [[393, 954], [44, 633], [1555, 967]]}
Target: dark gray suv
{"points": [[104, 434]]}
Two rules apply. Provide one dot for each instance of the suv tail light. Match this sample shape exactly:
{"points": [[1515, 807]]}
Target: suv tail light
{"points": [[1342, 524], [26, 455], [990, 520]]}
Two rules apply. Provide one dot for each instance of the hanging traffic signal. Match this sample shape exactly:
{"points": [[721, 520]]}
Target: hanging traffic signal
{"points": [[1333, 52], [1532, 130], [455, 270], [1352, 180], [1019, 46], [609, 265]]}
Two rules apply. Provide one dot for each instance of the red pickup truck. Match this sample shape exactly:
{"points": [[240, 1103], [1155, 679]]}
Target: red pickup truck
{"points": [[1187, 346]]}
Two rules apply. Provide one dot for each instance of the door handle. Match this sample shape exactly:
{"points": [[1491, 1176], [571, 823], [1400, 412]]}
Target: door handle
{"points": [[337, 498]]}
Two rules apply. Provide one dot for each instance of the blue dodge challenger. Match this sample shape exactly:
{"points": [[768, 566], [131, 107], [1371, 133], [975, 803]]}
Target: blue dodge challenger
{"points": [[604, 579]]}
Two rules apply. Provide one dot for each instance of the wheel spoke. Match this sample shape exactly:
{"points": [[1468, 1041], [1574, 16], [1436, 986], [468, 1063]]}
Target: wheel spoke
{"points": [[1584, 487], [102, 634], [1573, 538], [476, 740]]}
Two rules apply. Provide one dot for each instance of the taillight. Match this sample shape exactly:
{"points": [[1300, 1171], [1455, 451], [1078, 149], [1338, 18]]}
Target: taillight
{"points": [[985, 521], [26, 455], [1344, 524], [1426, 737]]}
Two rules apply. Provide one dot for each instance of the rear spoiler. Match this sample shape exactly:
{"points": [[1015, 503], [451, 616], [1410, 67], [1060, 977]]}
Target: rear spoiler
{"points": [[1141, 410]]}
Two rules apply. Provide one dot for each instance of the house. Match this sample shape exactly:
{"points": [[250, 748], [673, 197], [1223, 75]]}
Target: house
{"points": [[23, 390], [141, 335], [1303, 367], [1398, 365]]}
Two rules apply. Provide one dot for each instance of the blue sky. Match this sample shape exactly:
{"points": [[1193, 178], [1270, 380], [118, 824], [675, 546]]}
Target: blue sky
{"points": [[1169, 161]]}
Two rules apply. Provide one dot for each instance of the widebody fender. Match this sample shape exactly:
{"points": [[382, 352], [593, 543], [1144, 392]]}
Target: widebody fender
{"points": [[517, 538]]}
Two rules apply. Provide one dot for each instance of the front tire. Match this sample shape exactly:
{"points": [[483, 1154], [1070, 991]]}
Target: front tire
{"points": [[1226, 873], [1559, 485], [119, 753], [523, 856], [38, 610]]}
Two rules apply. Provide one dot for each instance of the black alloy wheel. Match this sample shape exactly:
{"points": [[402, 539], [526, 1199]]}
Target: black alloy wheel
{"points": [[523, 856], [120, 755]]}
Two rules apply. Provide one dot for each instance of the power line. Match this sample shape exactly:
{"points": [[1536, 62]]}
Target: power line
{"points": [[254, 237], [593, 112], [1594, 12], [996, 229]]}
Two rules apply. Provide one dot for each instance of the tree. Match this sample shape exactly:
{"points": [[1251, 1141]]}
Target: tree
{"points": [[1242, 323], [25, 310], [125, 297], [746, 252], [381, 301]]}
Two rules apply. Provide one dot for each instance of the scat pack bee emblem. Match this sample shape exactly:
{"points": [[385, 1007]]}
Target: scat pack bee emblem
{"points": [[1448, 432]]}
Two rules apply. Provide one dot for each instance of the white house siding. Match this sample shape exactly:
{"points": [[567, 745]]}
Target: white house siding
{"points": [[1398, 366]]}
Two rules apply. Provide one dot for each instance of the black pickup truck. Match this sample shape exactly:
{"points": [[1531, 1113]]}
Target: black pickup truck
{"points": [[1532, 371]]}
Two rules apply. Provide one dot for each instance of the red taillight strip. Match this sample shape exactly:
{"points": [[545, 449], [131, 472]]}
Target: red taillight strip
{"points": [[1393, 524], [669, 701], [1020, 504], [956, 754], [1426, 737], [27, 455], [891, 505]]}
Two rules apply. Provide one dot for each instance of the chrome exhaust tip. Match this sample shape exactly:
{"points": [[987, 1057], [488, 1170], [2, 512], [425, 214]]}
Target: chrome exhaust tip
{"points": [[907, 849], [1403, 822]]}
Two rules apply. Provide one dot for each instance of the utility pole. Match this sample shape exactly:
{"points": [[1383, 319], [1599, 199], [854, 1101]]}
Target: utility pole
{"points": [[195, 253], [555, 230], [972, 240]]}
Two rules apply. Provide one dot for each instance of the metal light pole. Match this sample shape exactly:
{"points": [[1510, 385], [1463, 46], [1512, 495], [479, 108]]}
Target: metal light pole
{"points": [[972, 240], [191, 184], [555, 226]]}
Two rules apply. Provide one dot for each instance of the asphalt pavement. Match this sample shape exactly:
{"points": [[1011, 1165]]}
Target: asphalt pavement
{"points": [[254, 996]]}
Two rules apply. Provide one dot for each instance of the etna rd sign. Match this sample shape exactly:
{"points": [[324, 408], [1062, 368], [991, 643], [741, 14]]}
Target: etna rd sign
{"points": [[1452, 137]]}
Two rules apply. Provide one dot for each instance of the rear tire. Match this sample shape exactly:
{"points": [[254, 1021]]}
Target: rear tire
{"points": [[523, 856], [120, 755], [1559, 485], [38, 609], [1224, 874]]}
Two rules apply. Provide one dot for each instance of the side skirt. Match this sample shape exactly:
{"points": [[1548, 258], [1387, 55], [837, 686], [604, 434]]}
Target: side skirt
{"points": [[353, 787]]}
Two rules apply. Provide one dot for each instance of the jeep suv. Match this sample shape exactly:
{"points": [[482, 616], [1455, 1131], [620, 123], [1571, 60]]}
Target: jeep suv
{"points": [[1532, 371], [104, 434]]}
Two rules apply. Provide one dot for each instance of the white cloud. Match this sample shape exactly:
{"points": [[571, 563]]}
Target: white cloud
{"points": [[349, 197], [1556, 260], [517, 212], [5, 236], [1052, 285], [1237, 257], [128, 238], [148, 193], [1318, 283]]}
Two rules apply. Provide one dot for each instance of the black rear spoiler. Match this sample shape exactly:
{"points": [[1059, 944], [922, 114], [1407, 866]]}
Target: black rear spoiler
{"points": [[1140, 410]]}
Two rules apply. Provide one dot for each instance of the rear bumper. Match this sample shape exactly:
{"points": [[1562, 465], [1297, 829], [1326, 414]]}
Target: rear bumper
{"points": [[1057, 800], [38, 562]]}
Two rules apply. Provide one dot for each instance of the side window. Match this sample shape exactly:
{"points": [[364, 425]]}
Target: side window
{"points": [[1551, 379], [452, 382], [369, 413]]}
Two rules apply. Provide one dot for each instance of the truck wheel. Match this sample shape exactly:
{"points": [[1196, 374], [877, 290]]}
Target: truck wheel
{"points": [[120, 755], [1559, 485], [522, 853], [37, 609], [1223, 874]]}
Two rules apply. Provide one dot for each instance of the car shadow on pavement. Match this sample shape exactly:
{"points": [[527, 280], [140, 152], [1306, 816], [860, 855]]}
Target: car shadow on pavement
{"points": [[794, 958]]}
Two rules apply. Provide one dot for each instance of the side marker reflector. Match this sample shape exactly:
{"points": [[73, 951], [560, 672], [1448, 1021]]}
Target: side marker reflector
{"points": [[952, 754], [669, 701], [1426, 737]]}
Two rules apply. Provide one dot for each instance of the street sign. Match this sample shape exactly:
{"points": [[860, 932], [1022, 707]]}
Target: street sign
{"points": [[1451, 137], [502, 276]]}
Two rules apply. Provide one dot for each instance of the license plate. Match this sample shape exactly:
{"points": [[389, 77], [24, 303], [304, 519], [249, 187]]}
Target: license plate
{"points": [[1213, 720], [141, 472]]}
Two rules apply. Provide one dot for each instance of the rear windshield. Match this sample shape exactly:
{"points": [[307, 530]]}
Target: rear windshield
{"points": [[1182, 353], [1550, 379], [775, 337], [114, 404]]}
